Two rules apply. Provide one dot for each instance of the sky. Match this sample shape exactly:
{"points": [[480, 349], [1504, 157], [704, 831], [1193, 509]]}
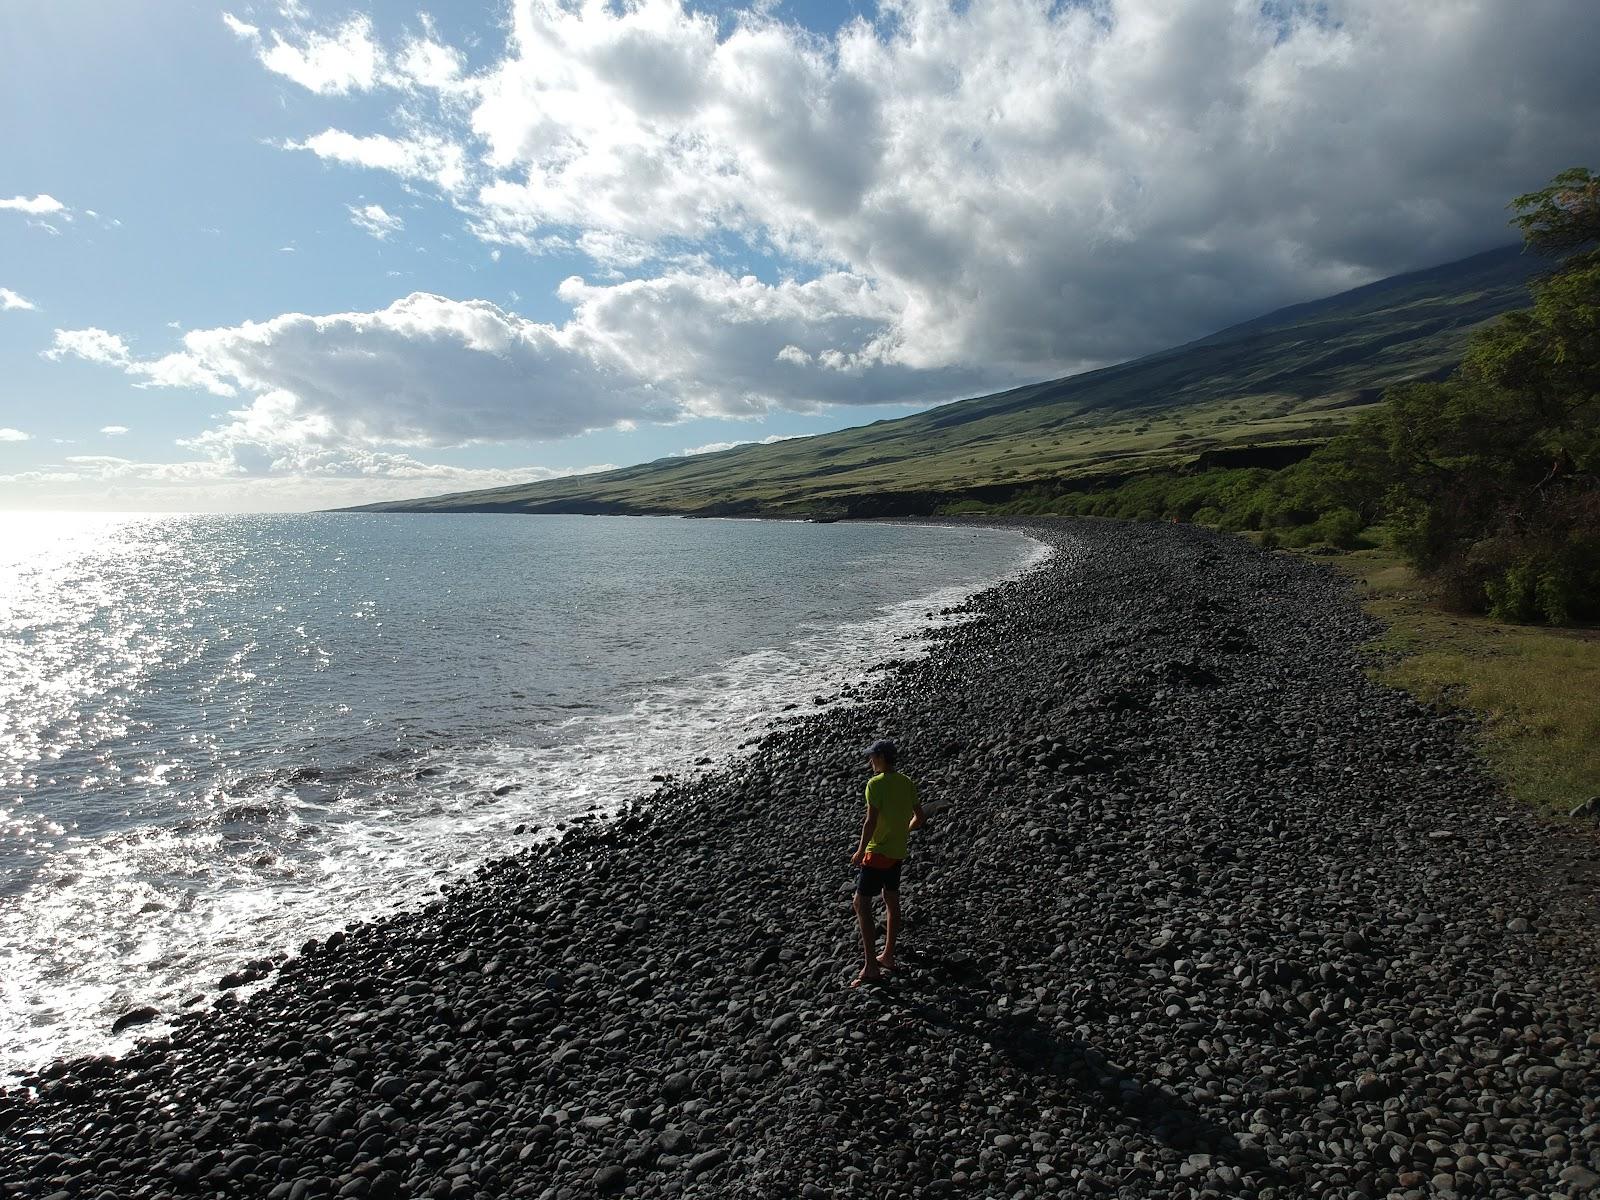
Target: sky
{"points": [[294, 254]]}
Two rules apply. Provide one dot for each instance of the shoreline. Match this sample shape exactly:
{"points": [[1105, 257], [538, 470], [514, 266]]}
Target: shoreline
{"points": [[1208, 910], [569, 766]]}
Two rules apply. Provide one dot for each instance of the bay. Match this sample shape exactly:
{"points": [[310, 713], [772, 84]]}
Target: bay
{"points": [[220, 735]]}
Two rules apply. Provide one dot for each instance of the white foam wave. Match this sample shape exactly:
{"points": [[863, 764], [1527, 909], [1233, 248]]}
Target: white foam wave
{"points": [[156, 915]]}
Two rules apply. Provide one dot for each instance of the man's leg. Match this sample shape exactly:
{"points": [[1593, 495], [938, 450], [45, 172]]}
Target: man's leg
{"points": [[869, 940], [891, 902]]}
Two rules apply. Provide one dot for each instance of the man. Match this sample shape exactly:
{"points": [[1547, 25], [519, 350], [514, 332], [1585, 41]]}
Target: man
{"points": [[892, 813]]}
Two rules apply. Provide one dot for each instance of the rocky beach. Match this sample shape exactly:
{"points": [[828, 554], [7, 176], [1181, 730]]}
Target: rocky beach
{"points": [[1209, 913]]}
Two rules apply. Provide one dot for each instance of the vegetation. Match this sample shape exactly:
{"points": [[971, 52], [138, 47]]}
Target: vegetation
{"points": [[1488, 482], [1532, 688], [1291, 507], [1292, 379]]}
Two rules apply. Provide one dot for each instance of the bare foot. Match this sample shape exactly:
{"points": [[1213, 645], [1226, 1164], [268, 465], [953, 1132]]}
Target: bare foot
{"points": [[867, 976], [888, 963]]}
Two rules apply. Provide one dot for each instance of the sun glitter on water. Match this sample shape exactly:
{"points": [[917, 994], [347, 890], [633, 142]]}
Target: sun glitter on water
{"points": [[224, 734]]}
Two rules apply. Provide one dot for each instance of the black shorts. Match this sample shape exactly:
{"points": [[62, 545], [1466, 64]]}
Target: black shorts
{"points": [[872, 880]]}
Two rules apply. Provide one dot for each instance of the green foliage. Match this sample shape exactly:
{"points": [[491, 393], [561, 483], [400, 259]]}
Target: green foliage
{"points": [[963, 508], [1563, 217], [1549, 582], [1536, 590], [1229, 499], [1340, 527], [1513, 596], [1494, 471]]}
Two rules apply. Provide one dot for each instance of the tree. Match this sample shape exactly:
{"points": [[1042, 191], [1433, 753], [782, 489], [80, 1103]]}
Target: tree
{"points": [[1496, 471], [1563, 217]]}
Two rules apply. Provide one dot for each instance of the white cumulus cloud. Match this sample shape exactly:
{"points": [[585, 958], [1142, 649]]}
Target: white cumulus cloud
{"points": [[374, 220], [113, 430], [10, 301], [14, 435], [425, 370], [92, 345], [240, 28], [35, 206], [345, 60], [428, 158], [718, 447], [423, 62], [1028, 188], [108, 349], [429, 370]]}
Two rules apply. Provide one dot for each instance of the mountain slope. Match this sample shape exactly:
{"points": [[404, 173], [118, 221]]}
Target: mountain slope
{"points": [[1294, 376]]}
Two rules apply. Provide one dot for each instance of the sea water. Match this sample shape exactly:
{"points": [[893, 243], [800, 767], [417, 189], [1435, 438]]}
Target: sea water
{"points": [[221, 735]]}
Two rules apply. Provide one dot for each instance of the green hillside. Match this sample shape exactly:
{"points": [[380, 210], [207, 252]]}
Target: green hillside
{"points": [[1260, 391]]}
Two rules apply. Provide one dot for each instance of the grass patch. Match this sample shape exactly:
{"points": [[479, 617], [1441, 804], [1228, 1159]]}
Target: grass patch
{"points": [[1534, 687]]}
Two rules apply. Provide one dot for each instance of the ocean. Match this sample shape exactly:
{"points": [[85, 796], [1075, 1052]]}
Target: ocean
{"points": [[222, 735]]}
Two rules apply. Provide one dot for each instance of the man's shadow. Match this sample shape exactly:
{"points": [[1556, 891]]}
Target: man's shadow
{"points": [[945, 993]]}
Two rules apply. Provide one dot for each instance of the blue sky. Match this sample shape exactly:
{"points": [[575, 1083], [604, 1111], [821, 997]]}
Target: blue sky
{"points": [[302, 254]]}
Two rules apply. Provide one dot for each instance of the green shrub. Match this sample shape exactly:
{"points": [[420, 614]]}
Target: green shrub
{"points": [[1559, 594], [1558, 586], [1513, 596], [1342, 528], [1298, 537]]}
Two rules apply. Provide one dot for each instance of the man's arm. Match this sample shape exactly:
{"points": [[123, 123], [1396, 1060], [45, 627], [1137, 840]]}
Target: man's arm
{"points": [[918, 817], [868, 824]]}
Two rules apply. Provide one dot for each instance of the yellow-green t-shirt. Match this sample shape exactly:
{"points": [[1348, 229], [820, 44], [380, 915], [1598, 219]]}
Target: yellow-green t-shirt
{"points": [[894, 796]]}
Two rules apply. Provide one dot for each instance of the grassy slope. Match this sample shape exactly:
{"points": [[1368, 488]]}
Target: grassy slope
{"points": [[1532, 687], [1294, 375]]}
